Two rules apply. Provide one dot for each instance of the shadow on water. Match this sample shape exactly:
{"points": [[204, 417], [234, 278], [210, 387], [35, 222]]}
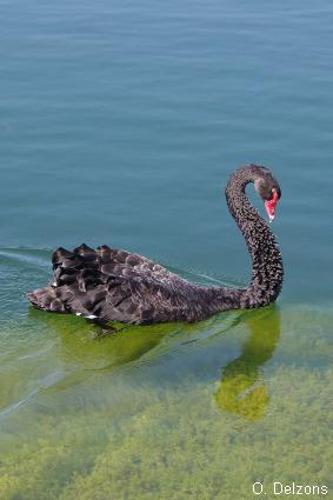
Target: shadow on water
{"points": [[242, 389], [94, 348]]}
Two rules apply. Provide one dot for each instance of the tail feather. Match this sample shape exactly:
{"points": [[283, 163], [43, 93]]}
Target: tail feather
{"points": [[47, 299]]}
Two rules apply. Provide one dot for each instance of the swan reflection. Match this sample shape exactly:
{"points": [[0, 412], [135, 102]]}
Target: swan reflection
{"points": [[243, 389]]}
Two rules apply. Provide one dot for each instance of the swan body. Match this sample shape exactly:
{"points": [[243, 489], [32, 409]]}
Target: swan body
{"points": [[106, 284]]}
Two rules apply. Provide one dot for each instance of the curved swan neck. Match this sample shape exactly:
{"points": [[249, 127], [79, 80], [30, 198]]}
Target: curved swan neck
{"points": [[267, 266]]}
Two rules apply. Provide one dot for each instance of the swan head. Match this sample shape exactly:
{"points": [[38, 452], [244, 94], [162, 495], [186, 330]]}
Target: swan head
{"points": [[268, 189]]}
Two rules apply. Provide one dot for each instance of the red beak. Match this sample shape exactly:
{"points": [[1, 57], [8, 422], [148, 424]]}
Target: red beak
{"points": [[270, 205]]}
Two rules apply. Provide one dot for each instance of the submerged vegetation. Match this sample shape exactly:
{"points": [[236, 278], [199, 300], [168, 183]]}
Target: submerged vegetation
{"points": [[174, 411]]}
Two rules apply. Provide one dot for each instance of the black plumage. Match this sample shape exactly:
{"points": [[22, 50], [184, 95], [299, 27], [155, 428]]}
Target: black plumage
{"points": [[114, 285]]}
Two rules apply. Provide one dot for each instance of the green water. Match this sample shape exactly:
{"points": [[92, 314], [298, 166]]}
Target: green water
{"points": [[120, 123]]}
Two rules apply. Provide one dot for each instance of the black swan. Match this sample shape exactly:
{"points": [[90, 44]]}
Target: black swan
{"points": [[114, 285]]}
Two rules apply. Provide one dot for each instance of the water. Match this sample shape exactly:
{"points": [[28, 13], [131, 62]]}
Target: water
{"points": [[120, 123]]}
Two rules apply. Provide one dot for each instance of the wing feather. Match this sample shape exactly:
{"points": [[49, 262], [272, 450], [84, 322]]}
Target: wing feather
{"points": [[111, 284]]}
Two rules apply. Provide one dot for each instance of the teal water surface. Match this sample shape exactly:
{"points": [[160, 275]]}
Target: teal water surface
{"points": [[120, 123]]}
